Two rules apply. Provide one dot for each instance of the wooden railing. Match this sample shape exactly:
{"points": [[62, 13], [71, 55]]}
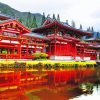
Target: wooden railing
{"points": [[9, 56]]}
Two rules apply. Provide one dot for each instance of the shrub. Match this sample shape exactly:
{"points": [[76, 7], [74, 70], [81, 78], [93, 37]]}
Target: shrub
{"points": [[4, 51], [43, 55], [48, 66], [39, 55], [39, 66], [56, 66]]}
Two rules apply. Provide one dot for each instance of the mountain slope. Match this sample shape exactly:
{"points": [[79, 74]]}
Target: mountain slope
{"points": [[5, 9]]}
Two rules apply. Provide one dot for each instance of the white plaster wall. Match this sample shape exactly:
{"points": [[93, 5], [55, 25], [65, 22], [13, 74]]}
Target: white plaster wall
{"points": [[86, 58], [78, 58], [61, 58]]}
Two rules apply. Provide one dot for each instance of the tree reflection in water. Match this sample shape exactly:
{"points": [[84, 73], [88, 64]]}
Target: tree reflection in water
{"points": [[94, 96], [92, 91], [86, 88]]}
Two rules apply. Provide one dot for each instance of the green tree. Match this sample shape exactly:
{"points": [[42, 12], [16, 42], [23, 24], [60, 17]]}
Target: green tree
{"points": [[58, 18], [54, 18], [73, 24], [43, 19], [88, 29], [20, 20], [28, 20], [34, 22], [92, 29], [80, 26], [31, 21], [67, 22], [48, 16]]}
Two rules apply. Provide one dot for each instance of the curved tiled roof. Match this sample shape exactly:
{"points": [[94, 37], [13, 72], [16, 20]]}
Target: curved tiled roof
{"points": [[35, 35], [95, 37], [4, 17], [64, 26], [5, 22]]}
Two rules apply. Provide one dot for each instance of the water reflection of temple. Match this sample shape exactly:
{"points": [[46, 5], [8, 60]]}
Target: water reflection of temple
{"points": [[17, 83]]}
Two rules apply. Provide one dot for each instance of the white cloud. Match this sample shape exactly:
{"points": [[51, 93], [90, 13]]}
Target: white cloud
{"points": [[81, 11]]}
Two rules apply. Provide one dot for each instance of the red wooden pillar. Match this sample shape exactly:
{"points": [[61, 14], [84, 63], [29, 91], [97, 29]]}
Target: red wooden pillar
{"points": [[7, 54], [75, 52], [50, 49], [55, 35], [34, 49], [67, 48], [69, 52], [0, 51], [60, 53], [35, 46], [83, 52], [27, 50], [64, 49], [55, 46], [19, 51], [42, 49], [80, 52], [0, 31], [13, 51]]}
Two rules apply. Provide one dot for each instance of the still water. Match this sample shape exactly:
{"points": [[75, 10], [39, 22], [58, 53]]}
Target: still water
{"points": [[69, 84]]}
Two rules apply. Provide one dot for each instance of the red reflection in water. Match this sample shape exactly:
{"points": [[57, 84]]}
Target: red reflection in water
{"points": [[70, 75], [34, 80]]}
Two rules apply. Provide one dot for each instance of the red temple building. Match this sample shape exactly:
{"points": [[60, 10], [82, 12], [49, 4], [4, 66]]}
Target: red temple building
{"points": [[94, 43], [16, 41], [59, 40], [64, 41]]}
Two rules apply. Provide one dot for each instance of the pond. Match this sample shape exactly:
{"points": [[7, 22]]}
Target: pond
{"points": [[69, 84]]}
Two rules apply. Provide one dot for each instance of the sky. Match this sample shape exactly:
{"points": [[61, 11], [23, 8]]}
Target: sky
{"points": [[85, 12]]}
